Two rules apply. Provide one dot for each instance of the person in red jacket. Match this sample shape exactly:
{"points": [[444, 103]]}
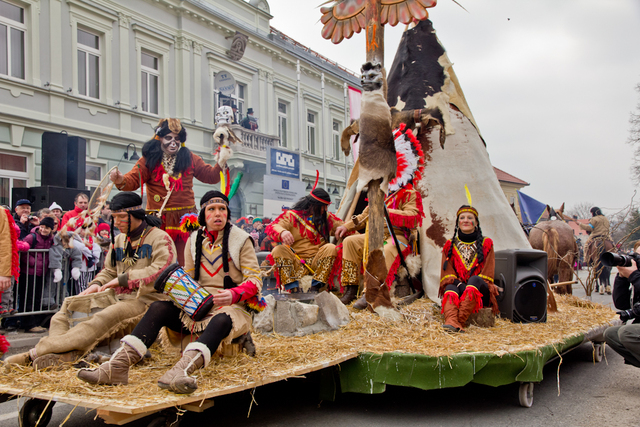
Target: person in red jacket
{"points": [[81, 203], [167, 165]]}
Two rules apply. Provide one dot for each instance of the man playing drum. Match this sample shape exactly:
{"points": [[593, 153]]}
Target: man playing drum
{"points": [[221, 257], [137, 257]]}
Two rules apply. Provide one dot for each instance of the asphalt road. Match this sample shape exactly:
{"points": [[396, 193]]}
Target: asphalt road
{"points": [[575, 391], [591, 394]]}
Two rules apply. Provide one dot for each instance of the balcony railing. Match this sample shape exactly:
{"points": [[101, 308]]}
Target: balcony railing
{"points": [[253, 142]]}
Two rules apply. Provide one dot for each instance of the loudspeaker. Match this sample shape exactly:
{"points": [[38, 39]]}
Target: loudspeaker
{"points": [[42, 197], [64, 160], [17, 194], [54, 159], [76, 162], [521, 275]]}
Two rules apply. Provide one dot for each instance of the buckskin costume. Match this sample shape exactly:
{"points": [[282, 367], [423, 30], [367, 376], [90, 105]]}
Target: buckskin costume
{"points": [[162, 172], [135, 259], [207, 257], [311, 252], [406, 213], [466, 279]]}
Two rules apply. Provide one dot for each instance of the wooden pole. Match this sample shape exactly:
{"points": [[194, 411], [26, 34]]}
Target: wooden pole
{"points": [[376, 291]]}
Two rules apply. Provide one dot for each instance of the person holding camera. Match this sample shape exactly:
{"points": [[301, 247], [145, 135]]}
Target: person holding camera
{"points": [[24, 219], [625, 339]]}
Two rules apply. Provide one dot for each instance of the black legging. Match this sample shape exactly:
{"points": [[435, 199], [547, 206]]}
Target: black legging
{"points": [[478, 283], [165, 313]]}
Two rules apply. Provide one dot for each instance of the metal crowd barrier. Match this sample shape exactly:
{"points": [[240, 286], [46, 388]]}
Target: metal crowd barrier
{"points": [[33, 294]]}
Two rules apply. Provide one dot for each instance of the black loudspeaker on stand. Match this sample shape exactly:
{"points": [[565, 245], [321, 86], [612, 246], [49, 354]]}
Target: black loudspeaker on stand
{"points": [[521, 274]]}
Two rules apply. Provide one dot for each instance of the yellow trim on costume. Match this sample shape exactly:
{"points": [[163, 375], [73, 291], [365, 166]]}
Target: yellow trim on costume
{"points": [[306, 225], [447, 276], [471, 286], [485, 277], [251, 269], [446, 292], [467, 266], [172, 209]]}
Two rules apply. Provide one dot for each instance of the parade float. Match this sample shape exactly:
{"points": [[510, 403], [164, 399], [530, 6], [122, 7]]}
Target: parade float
{"points": [[363, 352]]}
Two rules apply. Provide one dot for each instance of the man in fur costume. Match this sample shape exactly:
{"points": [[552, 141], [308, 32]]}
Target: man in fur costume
{"points": [[304, 232], [137, 257], [168, 166], [221, 258], [404, 205]]}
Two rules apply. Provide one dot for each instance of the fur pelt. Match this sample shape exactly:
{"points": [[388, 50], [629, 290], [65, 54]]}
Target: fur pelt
{"points": [[377, 154]]}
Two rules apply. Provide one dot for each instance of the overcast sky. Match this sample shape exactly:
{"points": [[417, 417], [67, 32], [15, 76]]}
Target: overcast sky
{"points": [[549, 82]]}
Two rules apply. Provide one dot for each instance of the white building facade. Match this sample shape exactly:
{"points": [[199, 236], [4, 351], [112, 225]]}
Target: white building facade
{"points": [[108, 70]]}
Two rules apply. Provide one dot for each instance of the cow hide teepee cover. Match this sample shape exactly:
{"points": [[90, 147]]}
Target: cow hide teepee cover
{"points": [[422, 77]]}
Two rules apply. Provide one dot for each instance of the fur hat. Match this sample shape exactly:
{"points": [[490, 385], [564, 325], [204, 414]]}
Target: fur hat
{"points": [[166, 126], [48, 222]]}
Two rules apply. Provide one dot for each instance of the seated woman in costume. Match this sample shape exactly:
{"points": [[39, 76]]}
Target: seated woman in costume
{"points": [[466, 278], [207, 255]]}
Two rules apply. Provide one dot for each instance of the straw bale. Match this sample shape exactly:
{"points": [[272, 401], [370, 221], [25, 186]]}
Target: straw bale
{"points": [[419, 331]]}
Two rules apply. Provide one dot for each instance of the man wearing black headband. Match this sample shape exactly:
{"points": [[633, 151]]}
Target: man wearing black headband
{"points": [[137, 257], [304, 233]]}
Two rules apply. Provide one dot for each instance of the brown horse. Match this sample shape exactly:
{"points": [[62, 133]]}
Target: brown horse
{"points": [[555, 237]]}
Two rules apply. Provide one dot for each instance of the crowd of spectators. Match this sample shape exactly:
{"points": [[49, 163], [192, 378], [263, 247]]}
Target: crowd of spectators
{"points": [[42, 254]]}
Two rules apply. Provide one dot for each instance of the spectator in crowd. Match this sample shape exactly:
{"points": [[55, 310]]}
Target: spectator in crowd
{"points": [[234, 119], [105, 214], [258, 228], [81, 203], [249, 122], [56, 209], [31, 283], [90, 257], [23, 217]]}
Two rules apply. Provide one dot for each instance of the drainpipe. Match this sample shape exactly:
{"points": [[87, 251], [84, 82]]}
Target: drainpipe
{"points": [[324, 131]]}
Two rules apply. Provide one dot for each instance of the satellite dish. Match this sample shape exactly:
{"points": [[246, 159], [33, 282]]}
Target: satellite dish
{"points": [[224, 83]]}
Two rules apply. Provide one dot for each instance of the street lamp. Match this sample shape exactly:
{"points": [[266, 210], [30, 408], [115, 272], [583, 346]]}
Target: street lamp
{"points": [[134, 156]]}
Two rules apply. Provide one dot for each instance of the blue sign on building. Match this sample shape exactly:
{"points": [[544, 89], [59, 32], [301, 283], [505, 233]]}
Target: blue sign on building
{"points": [[284, 163]]}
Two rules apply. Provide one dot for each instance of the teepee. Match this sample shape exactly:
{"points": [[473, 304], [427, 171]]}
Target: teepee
{"points": [[422, 77]]}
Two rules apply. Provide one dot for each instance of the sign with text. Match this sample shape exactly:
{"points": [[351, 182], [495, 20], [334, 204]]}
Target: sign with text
{"points": [[280, 194], [283, 162], [225, 83]]}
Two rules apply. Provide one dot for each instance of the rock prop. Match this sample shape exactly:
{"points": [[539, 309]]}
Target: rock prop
{"points": [[483, 318], [294, 318]]}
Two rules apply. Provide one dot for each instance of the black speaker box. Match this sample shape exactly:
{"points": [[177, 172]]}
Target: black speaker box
{"points": [[76, 162], [17, 194], [64, 160], [42, 197], [521, 276], [54, 159]]}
